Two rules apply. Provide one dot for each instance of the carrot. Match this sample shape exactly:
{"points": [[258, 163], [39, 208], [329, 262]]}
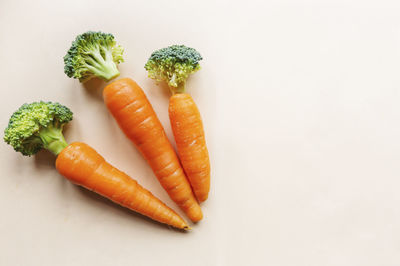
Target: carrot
{"points": [[83, 166], [39, 125], [173, 65], [137, 119], [190, 141]]}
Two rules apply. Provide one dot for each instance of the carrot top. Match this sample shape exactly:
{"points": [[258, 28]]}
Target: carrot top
{"points": [[36, 126], [173, 65]]}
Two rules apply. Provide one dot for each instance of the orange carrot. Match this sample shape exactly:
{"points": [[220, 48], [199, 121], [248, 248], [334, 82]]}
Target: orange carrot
{"points": [[83, 166], [173, 65], [190, 141], [137, 119], [39, 125]]}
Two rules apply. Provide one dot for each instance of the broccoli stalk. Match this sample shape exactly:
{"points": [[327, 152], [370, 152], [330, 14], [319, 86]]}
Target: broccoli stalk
{"points": [[36, 126], [173, 65], [93, 54], [52, 138]]}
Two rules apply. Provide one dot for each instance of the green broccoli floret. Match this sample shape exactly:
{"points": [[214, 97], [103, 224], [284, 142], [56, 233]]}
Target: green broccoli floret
{"points": [[38, 125], [93, 54], [173, 65]]}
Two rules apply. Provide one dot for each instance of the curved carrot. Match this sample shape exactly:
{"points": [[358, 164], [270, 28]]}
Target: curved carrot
{"points": [[137, 119], [190, 141], [83, 166]]}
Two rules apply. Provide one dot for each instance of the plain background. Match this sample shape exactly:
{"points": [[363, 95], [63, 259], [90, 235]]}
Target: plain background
{"points": [[301, 106]]}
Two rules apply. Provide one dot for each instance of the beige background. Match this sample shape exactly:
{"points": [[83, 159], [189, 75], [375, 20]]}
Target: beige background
{"points": [[301, 106]]}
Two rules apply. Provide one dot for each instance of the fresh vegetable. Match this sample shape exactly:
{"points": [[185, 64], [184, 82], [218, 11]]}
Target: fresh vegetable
{"points": [[93, 54], [174, 65], [36, 126], [137, 119], [187, 128], [39, 125]]}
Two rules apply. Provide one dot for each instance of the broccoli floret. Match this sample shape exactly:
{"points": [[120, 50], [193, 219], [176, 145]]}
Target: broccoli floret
{"points": [[93, 54], [38, 125], [173, 65]]}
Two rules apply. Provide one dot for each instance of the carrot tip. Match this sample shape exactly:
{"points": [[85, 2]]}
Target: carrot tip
{"points": [[187, 228]]}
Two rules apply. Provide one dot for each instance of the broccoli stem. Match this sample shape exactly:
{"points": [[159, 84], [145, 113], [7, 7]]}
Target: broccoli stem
{"points": [[107, 72], [181, 88], [103, 68], [53, 138]]}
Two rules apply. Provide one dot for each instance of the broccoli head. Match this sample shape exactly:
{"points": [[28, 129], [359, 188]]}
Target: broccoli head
{"points": [[93, 54], [173, 65], [38, 125]]}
